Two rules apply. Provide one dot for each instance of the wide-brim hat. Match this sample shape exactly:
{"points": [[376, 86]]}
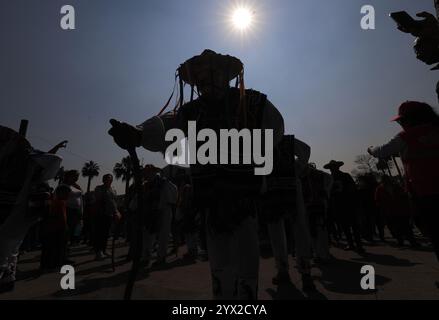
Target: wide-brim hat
{"points": [[333, 164], [189, 70]]}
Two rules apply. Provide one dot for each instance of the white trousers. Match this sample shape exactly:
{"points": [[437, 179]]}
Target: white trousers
{"points": [[321, 243], [301, 234], [16, 226], [234, 261], [162, 236]]}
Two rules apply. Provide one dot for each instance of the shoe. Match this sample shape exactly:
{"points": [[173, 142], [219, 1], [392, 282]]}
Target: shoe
{"points": [[415, 244], [189, 256], [202, 256], [106, 255], [308, 283], [145, 263], [282, 277], [159, 262], [348, 248], [323, 261], [7, 281], [99, 256]]}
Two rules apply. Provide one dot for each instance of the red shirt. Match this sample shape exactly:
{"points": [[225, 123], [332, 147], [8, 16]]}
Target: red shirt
{"points": [[55, 220], [392, 201], [421, 160]]}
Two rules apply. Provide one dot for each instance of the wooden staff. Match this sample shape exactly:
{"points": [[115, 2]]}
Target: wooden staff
{"points": [[436, 5], [23, 128], [397, 168], [138, 239]]}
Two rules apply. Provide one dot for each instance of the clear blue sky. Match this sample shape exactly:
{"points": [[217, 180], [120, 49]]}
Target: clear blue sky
{"points": [[336, 84]]}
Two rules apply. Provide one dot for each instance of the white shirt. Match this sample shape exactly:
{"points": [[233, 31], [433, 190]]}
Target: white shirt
{"points": [[395, 147], [75, 198], [168, 194]]}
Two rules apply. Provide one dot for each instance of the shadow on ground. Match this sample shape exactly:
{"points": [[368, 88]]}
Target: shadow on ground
{"points": [[343, 276], [288, 291], [87, 286], [386, 260]]}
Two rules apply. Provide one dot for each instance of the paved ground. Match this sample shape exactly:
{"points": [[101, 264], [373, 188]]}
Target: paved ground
{"points": [[401, 273]]}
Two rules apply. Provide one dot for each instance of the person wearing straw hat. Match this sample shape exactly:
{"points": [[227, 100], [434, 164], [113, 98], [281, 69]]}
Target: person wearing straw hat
{"points": [[226, 193], [344, 205]]}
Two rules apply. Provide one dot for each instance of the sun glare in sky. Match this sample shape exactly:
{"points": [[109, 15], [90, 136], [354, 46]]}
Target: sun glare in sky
{"points": [[242, 18]]}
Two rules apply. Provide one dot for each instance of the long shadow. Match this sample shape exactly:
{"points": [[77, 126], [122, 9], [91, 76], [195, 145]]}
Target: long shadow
{"points": [[75, 255], [174, 264], [386, 260], [288, 291], [84, 263], [31, 260], [424, 248], [106, 268], [28, 275], [91, 285], [343, 276], [265, 251]]}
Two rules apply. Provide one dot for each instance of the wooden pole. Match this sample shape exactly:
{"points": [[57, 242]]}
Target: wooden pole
{"points": [[397, 169], [388, 168], [436, 5], [139, 220], [23, 128]]}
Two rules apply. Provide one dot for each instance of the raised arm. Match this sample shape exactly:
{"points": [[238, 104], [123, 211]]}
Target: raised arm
{"points": [[393, 148]]}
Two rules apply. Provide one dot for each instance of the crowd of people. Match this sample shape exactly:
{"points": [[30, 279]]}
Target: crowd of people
{"points": [[220, 213]]}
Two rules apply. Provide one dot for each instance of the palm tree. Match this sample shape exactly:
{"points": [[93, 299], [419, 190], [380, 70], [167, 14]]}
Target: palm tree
{"points": [[90, 170], [122, 170]]}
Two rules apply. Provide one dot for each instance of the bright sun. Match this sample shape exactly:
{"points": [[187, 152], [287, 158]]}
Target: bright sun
{"points": [[242, 18]]}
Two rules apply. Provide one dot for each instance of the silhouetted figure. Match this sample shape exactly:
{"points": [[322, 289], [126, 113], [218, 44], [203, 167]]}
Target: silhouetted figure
{"points": [[371, 218], [317, 189], [426, 32], [54, 231], [285, 208], [418, 147], [160, 196], [75, 205], [23, 173], [187, 217], [88, 217], [344, 205], [394, 205], [106, 213], [224, 194]]}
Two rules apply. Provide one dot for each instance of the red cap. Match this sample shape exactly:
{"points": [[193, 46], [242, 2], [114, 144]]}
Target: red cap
{"points": [[409, 109]]}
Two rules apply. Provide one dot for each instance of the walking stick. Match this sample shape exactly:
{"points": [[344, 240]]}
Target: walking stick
{"points": [[139, 223], [398, 169], [436, 5], [113, 244], [139, 216], [119, 224]]}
